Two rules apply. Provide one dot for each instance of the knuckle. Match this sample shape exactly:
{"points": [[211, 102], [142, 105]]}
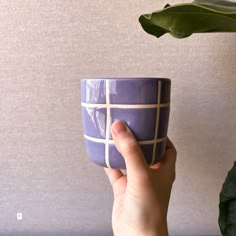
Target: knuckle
{"points": [[175, 151]]}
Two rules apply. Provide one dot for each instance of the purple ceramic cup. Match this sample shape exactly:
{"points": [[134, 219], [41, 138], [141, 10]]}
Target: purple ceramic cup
{"points": [[142, 103]]}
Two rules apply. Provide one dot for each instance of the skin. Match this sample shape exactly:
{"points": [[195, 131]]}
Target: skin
{"points": [[141, 197]]}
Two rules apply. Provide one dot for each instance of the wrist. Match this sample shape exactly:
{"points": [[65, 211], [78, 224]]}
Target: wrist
{"points": [[161, 230]]}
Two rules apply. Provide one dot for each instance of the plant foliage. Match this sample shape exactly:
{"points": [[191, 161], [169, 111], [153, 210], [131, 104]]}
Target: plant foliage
{"points": [[200, 16]]}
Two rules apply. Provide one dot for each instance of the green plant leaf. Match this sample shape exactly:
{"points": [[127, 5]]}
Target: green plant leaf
{"points": [[182, 20], [227, 206]]}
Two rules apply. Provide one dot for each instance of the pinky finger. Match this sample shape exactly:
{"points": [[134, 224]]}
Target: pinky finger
{"points": [[113, 175]]}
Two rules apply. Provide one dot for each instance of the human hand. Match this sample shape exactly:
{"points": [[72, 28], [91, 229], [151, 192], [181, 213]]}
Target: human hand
{"points": [[141, 197]]}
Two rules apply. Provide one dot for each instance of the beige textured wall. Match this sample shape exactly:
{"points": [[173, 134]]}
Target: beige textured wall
{"points": [[46, 47]]}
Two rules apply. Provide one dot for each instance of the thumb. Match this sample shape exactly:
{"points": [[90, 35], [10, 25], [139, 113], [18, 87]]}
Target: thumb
{"points": [[129, 148]]}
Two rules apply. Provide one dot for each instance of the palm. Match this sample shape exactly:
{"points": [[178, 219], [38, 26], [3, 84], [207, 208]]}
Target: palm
{"points": [[141, 197]]}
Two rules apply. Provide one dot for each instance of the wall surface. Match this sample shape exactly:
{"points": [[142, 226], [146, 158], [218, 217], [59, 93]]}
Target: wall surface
{"points": [[46, 47]]}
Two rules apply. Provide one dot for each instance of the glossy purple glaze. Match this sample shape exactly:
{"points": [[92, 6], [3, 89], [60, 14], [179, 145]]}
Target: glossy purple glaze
{"points": [[132, 100]]}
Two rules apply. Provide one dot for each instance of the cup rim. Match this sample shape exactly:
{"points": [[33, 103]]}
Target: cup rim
{"points": [[127, 79]]}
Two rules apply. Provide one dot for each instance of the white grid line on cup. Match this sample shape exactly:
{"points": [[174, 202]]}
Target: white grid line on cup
{"points": [[111, 141], [108, 123], [124, 106], [157, 122]]}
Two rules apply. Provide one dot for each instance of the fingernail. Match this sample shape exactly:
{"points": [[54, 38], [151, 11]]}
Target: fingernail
{"points": [[119, 127]]}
